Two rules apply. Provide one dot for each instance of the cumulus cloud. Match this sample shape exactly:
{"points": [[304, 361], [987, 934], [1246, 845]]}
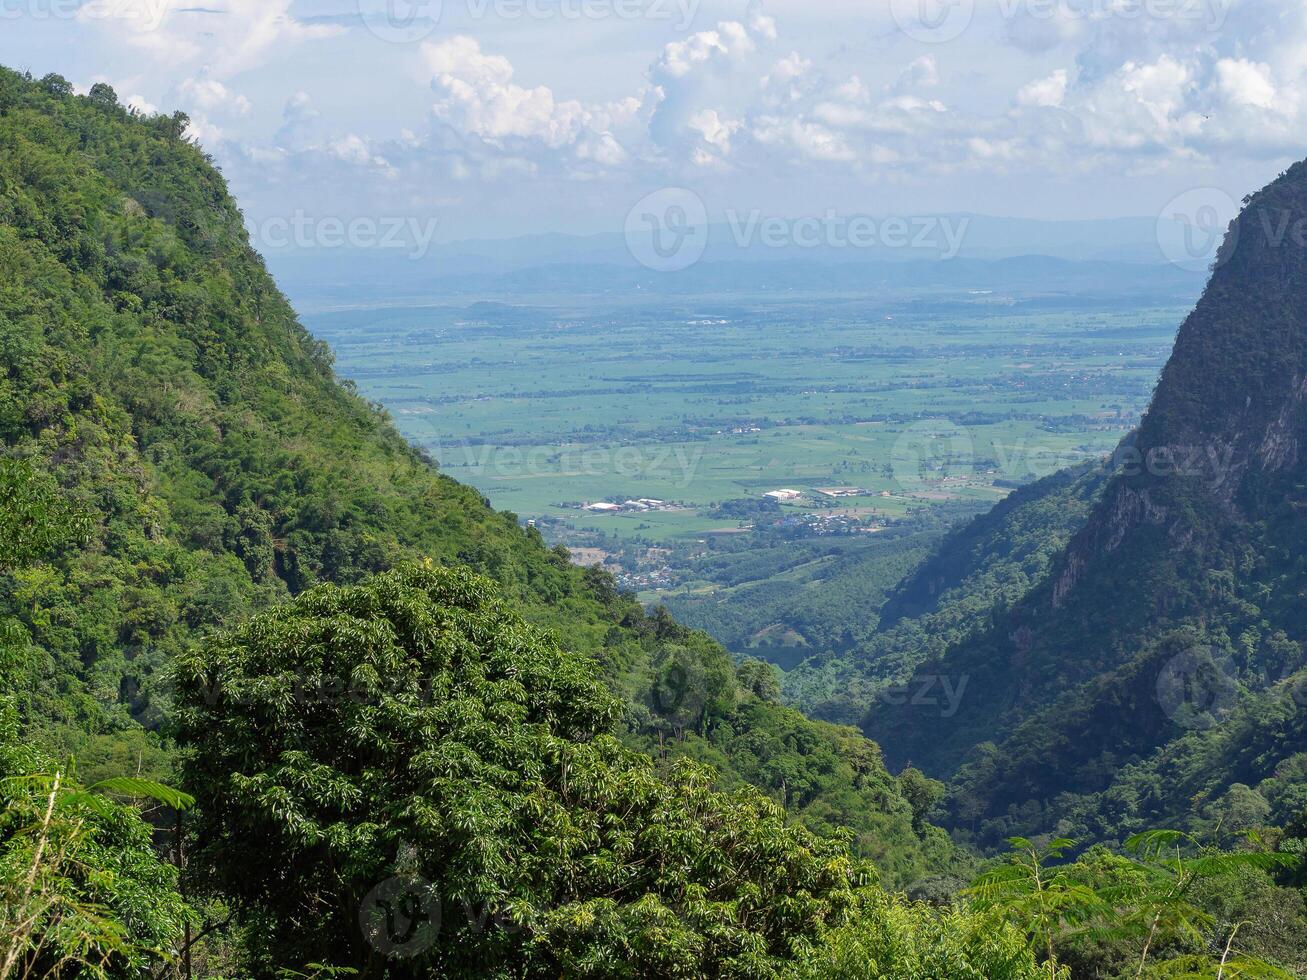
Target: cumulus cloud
{"points": [[1179, 81], [782, 80], [1048, 91], [355, 149], [141, 104], [808, 139], [478, 100], [1246, 83], [300, 122], [1080, 86], [922, 73], [228, 37], [714, 135], [476, 95], [210, 95], [690, 74]]}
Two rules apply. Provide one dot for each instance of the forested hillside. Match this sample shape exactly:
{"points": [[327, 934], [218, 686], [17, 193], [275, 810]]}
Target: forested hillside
{"points": [[156, 372], [281, 701], [979, 570], [1156, 672]]}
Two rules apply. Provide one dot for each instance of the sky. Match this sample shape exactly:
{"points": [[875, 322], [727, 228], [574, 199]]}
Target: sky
{"points": [[496, 118]]}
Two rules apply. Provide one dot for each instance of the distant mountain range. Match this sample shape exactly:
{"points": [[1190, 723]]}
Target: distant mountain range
{"points": [[1124, 255]]}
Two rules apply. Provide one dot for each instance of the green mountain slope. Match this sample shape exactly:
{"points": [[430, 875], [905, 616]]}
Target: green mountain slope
{"points": [[980, 569], [150, 366], [1157, 672]]}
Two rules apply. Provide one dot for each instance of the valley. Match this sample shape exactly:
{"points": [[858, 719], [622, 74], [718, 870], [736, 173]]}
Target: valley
{"points": [[778, 445], [441, 639]]}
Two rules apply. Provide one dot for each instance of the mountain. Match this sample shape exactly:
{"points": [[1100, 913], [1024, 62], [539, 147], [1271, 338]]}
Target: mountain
{"points": [[151, 369], [981, 568], [415, 740], [1156, 671], [321, 279]]}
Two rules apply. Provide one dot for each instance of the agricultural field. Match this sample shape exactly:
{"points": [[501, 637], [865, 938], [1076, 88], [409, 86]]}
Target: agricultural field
{"points": [[549, 409], [873, 423]]}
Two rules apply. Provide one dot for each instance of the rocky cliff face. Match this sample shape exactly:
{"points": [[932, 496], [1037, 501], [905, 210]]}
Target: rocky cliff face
{"points": [[1196, 533], [1229, 409]]}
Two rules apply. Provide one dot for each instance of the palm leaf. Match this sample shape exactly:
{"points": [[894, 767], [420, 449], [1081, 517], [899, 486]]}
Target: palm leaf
{"points": [[132, 786]]}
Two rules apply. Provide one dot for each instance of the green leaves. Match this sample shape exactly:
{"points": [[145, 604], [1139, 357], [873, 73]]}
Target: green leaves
{"points": [[81, 890], [412, 729], [144, 789], [1142, 910], [35, 516]]}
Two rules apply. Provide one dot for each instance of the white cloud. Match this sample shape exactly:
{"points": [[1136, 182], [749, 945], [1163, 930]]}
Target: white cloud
{"points": [[715, 131], [513, 128], [1045, 92], [740, 101], [228, 37], [699, 71], [1246, 83], [786, 71], [204, 132], [141, 105], [210, 95], [351, 149], [809, 139], [1186, 82], [922, 73]]}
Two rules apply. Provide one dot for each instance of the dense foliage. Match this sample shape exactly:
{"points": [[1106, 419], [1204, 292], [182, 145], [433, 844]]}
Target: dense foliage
{"points": [[82, 889], [414, 728], [1123, 648], [425, 784], [981, 568], [1167, 906], [1156, 673], [153, 371], [422, 743]]}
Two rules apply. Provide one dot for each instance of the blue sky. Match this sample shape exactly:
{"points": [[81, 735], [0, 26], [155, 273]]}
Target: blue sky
{"points": [[502, 117]]}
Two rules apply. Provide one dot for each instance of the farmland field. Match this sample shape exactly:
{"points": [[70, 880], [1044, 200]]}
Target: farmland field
{"points": [[910, 414], [545, 409]]}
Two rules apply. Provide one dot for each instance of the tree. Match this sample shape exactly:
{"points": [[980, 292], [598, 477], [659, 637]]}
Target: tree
{"points": [[57, 85], [103, 95], [427, 787], [921, 792], [1173, 864], [82, 891], [758, 678], [1114, 913], [1031, 891], [893, 939], [34, 516], [81, 888]]}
